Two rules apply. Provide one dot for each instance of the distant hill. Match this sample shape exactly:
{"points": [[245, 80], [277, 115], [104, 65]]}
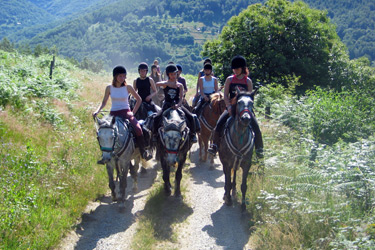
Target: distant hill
{"points": [[128, 31]]}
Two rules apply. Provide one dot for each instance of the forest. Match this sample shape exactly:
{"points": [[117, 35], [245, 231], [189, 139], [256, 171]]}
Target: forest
{"points": [[109, 32]]}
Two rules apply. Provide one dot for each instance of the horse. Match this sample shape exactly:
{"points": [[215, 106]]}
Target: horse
{"points": [[144, 111], [116, 142], [237, 144], [208, 118], [173, 144]]}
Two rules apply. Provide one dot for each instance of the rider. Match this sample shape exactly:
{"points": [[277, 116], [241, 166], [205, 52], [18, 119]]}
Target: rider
{"points": [[119, 92], [181, 79], [173, 91], [155, 75], [239, 79], [200, 74], [207, 85], [143, 85]]}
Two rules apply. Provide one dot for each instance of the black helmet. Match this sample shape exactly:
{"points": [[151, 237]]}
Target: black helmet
{"points": [[171, 68], [142, 65], [208, 60], [207, 66], [118, 70], [179, 67], [238, 62]]}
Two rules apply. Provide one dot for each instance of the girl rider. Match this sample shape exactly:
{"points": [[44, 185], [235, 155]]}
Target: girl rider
{"points": [[174, 92], [200, 74], [207, 85], [239, 79], [143, 85], [119, 92], [155, 75]]}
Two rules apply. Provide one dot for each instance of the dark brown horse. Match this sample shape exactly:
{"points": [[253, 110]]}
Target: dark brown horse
{"points": [[208, 118], [236, 146]]}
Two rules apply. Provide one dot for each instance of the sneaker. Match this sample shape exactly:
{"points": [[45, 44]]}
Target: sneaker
{"points": [[213, 149], [194, 138], [101, 162], [146, 155]]}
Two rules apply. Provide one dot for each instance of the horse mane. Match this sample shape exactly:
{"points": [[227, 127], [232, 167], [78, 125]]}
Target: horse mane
{"points": [[237, 97], [216, 98]]}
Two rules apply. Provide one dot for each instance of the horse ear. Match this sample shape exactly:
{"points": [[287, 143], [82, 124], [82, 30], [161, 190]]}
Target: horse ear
{"points": [[253, 93], [113, 120]]}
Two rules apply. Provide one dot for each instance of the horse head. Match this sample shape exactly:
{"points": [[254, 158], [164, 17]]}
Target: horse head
{"points": [[243, 107], [173, 134], [107, 134], [217, 103]]}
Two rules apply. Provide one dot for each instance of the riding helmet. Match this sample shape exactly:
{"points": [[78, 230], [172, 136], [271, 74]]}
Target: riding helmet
{"points": [[118, 70], [142, 65], [179, 67], [238, 62], [171, 68], [207, 66], [207, 60]]}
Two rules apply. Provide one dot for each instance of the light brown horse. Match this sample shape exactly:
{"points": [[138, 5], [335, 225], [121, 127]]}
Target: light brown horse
{"points": [[208, 118]]}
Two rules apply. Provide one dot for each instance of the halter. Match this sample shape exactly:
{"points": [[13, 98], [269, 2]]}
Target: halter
{"points": [[243, 111], [106, 149], [183, 140]]}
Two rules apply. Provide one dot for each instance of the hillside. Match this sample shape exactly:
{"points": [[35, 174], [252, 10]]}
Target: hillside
{"points": [[128, 31]]}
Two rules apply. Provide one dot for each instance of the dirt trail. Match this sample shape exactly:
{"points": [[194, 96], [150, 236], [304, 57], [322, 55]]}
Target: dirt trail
{"points": [[211, 225]]}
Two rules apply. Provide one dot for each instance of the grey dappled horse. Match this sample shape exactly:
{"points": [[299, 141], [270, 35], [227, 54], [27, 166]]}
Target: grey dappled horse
{"points": [[118, 149], [236, 146], [173, 144]]}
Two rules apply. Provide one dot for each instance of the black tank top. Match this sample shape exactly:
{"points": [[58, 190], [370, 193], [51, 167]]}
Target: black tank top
{"points": [[172, 95], [144, 88]]}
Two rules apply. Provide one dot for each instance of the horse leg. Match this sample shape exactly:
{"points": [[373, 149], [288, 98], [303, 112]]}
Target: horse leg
{"points": [[200, 146], [167, 184], [234, 187], [228, 185], [245, 172], [123, 182], [111, 182], [134, 174], [181, 162], [205, 143]]}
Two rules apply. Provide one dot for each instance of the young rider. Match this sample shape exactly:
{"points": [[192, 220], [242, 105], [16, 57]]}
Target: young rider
{"points": [[181, 79], [239, 79], [144, 84], [200, 74], [155, 75], [119, 92], [173, 91], [207, 85]]}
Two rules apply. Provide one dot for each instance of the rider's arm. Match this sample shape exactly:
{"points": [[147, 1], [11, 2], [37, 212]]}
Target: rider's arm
{"points": [[226, 92], [179, 104], [132, 91], [200, 84], [104, 102], [135, 85], [249, 85], [153, 87], [216, 85]]}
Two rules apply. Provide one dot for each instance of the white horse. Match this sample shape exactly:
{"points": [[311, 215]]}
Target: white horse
{"points": [[118, 149]]}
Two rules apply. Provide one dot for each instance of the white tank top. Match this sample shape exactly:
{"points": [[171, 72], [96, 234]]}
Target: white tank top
{"points": [[208, 86], [119, 97]]}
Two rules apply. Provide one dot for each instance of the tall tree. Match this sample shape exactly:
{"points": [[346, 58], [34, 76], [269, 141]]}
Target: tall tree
{"points": [[279, 39]]}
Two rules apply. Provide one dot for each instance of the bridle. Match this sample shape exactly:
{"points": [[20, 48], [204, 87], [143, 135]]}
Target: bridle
{"points": [[183, 140], [115, 132]]}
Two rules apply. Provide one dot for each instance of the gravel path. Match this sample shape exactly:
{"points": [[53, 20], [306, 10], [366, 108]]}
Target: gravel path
{"points": [[212, 225]]}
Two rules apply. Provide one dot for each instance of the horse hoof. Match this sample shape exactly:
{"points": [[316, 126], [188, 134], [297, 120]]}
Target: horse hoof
{"points": [[114, 198], [243, 207], [212, 167], [121, 205], [135, 189], [143, 170], [228, 201]]}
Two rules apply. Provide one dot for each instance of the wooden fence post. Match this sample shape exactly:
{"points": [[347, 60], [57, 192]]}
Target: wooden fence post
{"points": [[51, 67]]}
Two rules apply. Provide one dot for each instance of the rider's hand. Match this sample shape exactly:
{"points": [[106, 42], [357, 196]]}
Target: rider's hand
{"points": [[94, 114], [148, 98]]}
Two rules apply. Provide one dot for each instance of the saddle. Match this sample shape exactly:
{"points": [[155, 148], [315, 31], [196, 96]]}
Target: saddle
{"points": [[146, 132]]}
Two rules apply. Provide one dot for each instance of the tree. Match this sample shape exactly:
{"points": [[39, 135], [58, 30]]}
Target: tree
{"points": [[279, 39], [6, 45]]}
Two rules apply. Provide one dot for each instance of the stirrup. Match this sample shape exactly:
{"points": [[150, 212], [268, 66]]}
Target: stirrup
{"points": [[213, 149], [101, 162]]}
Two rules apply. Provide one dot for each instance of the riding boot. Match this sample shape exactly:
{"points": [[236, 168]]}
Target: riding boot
{"points": [[214, 147], [141, 145]]}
